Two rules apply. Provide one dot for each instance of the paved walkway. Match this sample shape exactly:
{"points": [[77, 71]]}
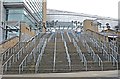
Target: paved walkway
{"points": [[76, 74], [63, 78]]}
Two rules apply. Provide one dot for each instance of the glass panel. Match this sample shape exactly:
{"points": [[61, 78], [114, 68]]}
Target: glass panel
{"points": [[13, 0], [15, 14]]}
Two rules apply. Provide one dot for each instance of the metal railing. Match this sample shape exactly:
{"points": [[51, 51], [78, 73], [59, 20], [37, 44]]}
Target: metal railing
{"points": [[75, 37], [85, 61], [50, 37], [54, 56], [103, 49], [113, 49], [62, 36], [78, 49], [94, 56], [19, 54], [68, 37], [11, 50], [23, 63], [99, 60], [104, 52], [106, 48], [22, 49], [68, 56], [40, 57], [82, 56], [114, 61], [30, 45], [8, 63], [74, 43]]}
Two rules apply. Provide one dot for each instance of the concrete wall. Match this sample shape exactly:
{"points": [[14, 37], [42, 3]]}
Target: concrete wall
{"points": [[88, 24], [9, 43], [1, 70], [44, 15], [25, 33], [97, 35]]}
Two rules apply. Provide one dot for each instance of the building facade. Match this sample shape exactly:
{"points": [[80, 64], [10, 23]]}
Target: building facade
{"points": [[28, 11], [65, 16]]}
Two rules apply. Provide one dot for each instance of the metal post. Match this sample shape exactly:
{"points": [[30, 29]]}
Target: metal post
{"points": [[19, 69], [6, 67], [34, 56], [5, 55], [54, 55]]}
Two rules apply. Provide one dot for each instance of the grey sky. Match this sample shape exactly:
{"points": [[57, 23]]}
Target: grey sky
{"points": [[108, 8]]}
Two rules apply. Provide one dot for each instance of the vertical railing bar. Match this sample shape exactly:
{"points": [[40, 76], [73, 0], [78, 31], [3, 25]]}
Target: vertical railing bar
{"points": [[54, 56]]}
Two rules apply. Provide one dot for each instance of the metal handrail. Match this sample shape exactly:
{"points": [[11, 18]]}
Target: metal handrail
{"points": [[114, 60], [92, 54], [24, 60], [75, 37], [105, 54], [114, 50], [85, 61], [21, 64], [100, 61], [6, 63], [10, 49], [101, 47], [40, 57], [82, 57], [68, 56], [20, 52], [50, 37], [78, 49], [68, 37], [54, 55], [62, 36], [74, 43]]}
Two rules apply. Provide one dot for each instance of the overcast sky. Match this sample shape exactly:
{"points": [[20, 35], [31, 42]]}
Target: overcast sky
{"points": [[108, 8]]}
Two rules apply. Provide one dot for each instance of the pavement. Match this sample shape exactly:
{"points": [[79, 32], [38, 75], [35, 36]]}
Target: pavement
{"points": [[64, 78], [75, 75]]}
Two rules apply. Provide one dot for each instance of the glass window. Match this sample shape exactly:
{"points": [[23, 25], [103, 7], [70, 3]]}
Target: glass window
{"points": [[13, 0]]}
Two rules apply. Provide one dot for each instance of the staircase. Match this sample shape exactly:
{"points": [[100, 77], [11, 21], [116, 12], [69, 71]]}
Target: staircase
{"points": [[61, 60], [46, 64], [54, 53], [76, 64]]}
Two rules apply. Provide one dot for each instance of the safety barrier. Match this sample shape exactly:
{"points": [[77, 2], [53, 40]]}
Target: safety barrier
{"points": [[50, 37], [82, 56], [114, 61], [68, 56], [10, 51], [40, 56], [62, 36], [75, 37], [8, 63], [85, 61], [54, 56], [68, 37]]}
